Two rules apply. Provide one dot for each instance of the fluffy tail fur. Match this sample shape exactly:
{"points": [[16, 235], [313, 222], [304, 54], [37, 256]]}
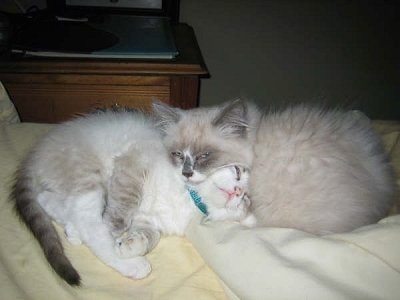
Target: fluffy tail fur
{"points": [[42, 228]]}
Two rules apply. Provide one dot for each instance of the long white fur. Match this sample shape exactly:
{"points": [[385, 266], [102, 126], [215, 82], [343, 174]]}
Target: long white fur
{"points": [[320, 171], [73, 164], [79, 205]]}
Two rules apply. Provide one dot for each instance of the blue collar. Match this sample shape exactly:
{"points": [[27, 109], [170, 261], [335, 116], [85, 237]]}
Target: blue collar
{"points": [[197, 200]]}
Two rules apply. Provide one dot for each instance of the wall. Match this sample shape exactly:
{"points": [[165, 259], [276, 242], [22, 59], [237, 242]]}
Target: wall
{"points": [[331, 52]]}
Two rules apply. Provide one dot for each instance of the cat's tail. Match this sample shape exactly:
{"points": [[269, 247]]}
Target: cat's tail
{"points": [[42, 228]]}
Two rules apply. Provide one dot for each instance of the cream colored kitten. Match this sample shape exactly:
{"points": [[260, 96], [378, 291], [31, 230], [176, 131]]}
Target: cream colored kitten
{"points": [[318, 170]]}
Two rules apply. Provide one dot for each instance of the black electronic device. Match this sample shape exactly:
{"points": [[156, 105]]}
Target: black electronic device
{"points": [[84, 8]]}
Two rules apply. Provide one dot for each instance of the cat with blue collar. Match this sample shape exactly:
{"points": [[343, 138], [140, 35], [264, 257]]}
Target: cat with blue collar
{"points": [[108, 179]]}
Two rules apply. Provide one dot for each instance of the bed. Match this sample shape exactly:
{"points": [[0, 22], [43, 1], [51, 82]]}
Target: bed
{"points": [[214, 261]]}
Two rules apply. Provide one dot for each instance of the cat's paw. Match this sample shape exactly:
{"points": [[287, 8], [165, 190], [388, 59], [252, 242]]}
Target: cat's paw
{"points": [[240, 203], [249, 221], [136, 268], [132, 244], [72, 235], [246, 200]]}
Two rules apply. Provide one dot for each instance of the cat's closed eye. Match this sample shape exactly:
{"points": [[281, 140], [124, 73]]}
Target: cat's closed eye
{"points": [[177, 155], [203, 156], [238, 172]]}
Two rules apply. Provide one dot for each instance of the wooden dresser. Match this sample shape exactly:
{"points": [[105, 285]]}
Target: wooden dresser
{"points": [[52, 90]]}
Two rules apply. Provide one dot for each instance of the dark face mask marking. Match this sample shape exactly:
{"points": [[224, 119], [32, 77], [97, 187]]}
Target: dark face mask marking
{"points": [[187, 169]]}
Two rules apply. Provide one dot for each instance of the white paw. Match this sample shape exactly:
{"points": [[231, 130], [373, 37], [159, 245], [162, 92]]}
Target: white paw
{"points": [[249, 221], [136, 268], [131, 244], [72, 235]]}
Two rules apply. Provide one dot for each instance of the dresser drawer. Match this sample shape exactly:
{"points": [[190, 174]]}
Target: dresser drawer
{"points": [[60, 100]]}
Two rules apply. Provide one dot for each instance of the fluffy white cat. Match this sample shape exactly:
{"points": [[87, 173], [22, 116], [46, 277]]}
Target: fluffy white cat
{"points": [[108, 179]]}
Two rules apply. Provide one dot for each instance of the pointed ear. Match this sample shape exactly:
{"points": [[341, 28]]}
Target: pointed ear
{"points": [[233, 119], [165, 115]]}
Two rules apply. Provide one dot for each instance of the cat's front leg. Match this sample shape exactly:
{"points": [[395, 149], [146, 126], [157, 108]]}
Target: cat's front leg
{"points": [[87, 224], [238, 208], [137, 241], [124, 193]]}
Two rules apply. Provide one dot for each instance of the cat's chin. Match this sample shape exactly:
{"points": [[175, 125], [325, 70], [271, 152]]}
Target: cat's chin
{"points": [[195, 179], [191, 181]]}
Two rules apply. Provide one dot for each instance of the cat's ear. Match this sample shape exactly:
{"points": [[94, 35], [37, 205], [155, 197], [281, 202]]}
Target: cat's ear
{"points": [[233, 118], [165, 115]]}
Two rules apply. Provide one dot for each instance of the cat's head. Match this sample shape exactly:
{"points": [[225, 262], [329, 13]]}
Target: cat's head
{"points": [[224, 195], [201, 140], [226, 187]]}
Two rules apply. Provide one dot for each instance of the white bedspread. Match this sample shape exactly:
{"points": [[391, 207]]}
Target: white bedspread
{"points": [[279, 263]]}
